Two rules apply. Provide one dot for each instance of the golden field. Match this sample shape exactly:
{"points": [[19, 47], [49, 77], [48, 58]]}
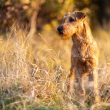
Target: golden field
{"points": [[34, 71]]}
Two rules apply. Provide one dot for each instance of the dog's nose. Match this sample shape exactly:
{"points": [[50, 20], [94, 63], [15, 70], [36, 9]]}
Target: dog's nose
{"points": [[60, 28]]}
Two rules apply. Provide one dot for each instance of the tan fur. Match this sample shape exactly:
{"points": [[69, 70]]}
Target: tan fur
{"points": [[84, 53]]}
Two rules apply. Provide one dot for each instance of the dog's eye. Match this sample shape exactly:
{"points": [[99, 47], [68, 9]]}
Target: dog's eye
{"points": [[71, 19]]}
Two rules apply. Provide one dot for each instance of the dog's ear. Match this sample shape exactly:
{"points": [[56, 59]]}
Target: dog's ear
{"points": [[79, 15]]}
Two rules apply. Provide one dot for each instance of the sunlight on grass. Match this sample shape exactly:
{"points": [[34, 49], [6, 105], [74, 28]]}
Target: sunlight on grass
{"points": [[34, 76]]}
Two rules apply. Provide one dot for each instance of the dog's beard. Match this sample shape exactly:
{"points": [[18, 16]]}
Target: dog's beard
{"points": [[66, 34]]}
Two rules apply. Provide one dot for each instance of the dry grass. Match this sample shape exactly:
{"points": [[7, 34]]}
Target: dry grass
{"points": [[34, 76]]}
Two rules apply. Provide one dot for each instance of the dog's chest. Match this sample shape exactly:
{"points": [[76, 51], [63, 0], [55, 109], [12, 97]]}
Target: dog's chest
{"points": [[76, 50]]}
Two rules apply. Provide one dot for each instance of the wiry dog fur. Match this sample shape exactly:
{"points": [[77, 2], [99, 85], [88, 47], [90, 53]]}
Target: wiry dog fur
{"points": [[84, 53]]}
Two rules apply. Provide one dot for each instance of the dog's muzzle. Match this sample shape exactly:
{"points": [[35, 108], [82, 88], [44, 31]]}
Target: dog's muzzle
{"points": [[60, 29]]}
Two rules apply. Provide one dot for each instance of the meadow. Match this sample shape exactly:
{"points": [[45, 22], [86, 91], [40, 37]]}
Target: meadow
{"points": [[34, 71]]}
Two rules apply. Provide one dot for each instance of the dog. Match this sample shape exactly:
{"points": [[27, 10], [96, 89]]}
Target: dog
{"points": [[84, 52]]}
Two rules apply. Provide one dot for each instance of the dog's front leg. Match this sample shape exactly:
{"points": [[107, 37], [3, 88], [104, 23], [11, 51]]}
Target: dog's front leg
{"points": [[96, 90], [71, 81]]}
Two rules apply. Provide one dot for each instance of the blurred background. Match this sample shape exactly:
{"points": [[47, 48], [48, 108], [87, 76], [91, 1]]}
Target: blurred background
{"points": [[44, 16], [38, 15], [35, 62]]}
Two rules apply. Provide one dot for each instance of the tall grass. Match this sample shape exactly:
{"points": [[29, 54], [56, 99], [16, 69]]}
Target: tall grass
{"points": [[34, 76]]}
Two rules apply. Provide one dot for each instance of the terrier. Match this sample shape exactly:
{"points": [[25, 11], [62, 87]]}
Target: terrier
{"points": [[84, 53]]}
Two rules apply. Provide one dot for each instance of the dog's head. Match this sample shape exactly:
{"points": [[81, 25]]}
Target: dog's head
{"points": [[70, 25]]}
